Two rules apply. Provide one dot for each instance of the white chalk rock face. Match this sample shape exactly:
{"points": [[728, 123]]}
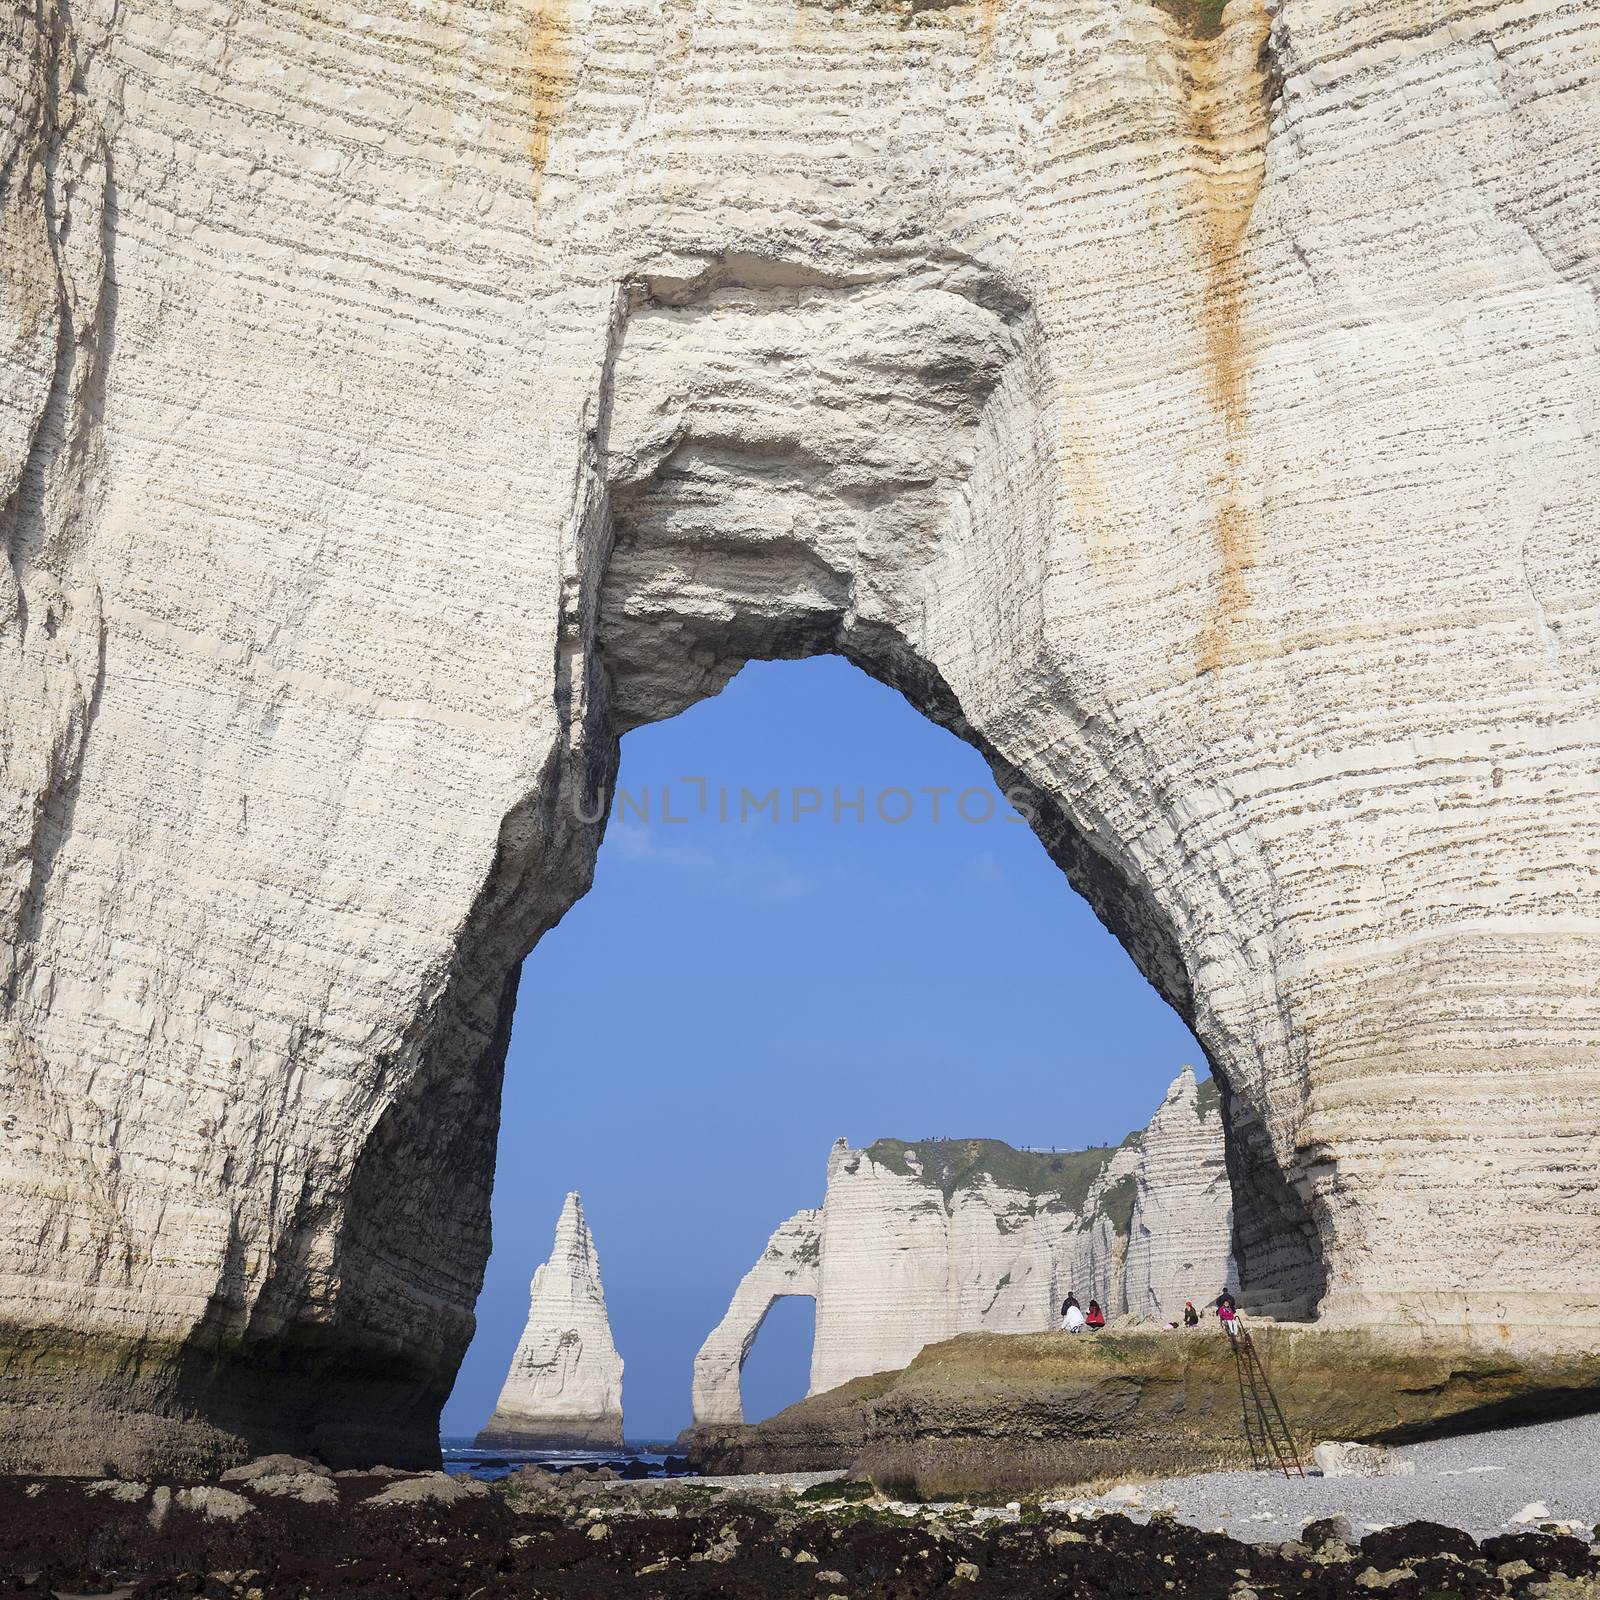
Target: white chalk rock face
{"points": [[915, 1243], [1340, 1459], [398, 403], [564, 1388], [1180, 1238]]}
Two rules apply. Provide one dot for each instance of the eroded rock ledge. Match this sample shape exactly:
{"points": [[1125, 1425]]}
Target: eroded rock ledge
{"points": [[991, 1413]]}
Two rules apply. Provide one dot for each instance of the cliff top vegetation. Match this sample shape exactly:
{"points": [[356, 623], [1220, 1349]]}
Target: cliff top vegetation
{"points": [[1201, 18], [1060, 1179]]}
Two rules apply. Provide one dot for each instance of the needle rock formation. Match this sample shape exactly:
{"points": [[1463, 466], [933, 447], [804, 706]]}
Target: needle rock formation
{"points": [[1191, 406], [564, 1388], [915, 1243]]}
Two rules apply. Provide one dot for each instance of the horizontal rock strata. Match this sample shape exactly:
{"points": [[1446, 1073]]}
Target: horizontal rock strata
{"points": [[987, 1413], [1180, 1227], [564, 1386], [396, 404]]}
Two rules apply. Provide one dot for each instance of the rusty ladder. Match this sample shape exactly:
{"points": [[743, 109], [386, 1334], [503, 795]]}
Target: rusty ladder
{"points": [[1269, 1435]]}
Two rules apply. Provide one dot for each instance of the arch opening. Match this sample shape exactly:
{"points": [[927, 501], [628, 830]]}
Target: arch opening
{"points": [[788, 466], [748, 992], [777, 1371]]}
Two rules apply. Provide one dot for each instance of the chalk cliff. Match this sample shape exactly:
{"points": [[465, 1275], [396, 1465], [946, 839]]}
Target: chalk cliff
{"points": [[1193, 410], [564, 1387], [915, 1243], [1180, 1230]]}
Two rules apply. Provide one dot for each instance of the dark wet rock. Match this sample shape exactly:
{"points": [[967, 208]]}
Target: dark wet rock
{"points": [[1412, 1541], [594, 1539], [1444, 1575], [1544, 1552], [1328, 1530]]}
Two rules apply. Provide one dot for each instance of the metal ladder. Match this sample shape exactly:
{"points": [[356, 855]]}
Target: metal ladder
{"points": [[1264, 1425]]}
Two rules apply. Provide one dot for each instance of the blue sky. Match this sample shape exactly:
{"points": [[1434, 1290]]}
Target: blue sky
{"points": [[730, 998]]}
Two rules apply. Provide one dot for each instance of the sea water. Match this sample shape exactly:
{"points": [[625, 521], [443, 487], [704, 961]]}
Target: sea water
{"points": [[463, 1458]]}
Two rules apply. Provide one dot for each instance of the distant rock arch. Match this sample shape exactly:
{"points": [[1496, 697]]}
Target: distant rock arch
{"points": [[787, 1267], [918, 1242]]}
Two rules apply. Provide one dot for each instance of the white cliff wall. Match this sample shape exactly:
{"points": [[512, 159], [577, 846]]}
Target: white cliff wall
{"points": [[1180, 1241], [564, 1386], [916, 1243], [1204, 428], [1096, 1249], [883, 1282]]}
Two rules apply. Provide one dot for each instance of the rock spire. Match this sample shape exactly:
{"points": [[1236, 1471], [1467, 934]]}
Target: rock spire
{"points": [[564, 1389]]}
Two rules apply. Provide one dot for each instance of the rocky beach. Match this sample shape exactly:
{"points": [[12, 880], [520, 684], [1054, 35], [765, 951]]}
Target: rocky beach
{"points": [[283, 1529]]}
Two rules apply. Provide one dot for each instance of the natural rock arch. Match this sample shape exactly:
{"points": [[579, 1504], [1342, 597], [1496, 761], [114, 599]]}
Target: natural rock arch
{"points": [[1215, 454], [883, 447], [786, 1269]]}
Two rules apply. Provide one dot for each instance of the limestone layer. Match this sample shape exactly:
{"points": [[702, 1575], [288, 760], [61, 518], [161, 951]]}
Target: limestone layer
{"points": [[1048, 1411], [1180, 1229], [915, 1243], [398, 401], [564, 1386]]}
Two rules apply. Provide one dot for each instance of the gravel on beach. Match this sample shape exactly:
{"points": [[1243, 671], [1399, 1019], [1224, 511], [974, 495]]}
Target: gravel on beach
{"points": [[1480, 1482]]}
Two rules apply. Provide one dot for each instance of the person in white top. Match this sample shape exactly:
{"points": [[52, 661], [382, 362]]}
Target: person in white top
{"points": [[1071, 1315]]}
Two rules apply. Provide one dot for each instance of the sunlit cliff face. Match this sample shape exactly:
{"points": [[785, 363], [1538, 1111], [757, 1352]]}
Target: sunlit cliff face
{"points": [[1199, 420]]}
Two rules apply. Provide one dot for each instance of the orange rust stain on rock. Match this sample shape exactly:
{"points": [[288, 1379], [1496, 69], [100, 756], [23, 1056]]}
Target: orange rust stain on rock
{"points": [[1226, 112], [988, 16], [549, 79], [1233, 528]]}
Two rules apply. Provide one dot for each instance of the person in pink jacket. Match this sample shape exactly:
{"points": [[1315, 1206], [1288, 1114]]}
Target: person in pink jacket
{"points": [[1227, 1310]]}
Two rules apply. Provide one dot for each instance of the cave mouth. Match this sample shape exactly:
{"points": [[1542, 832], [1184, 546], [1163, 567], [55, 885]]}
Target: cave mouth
{"points": [[728, 999]]}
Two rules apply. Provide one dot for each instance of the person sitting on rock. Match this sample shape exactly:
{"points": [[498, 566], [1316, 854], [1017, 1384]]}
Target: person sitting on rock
{"points": [[1191, 1317], [1071, 1315], [1096, 1318], [1227, 1310]]}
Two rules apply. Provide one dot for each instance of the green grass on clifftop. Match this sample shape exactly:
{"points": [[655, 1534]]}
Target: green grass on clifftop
{"points": [[1201, 18], [1059, 1180]]}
